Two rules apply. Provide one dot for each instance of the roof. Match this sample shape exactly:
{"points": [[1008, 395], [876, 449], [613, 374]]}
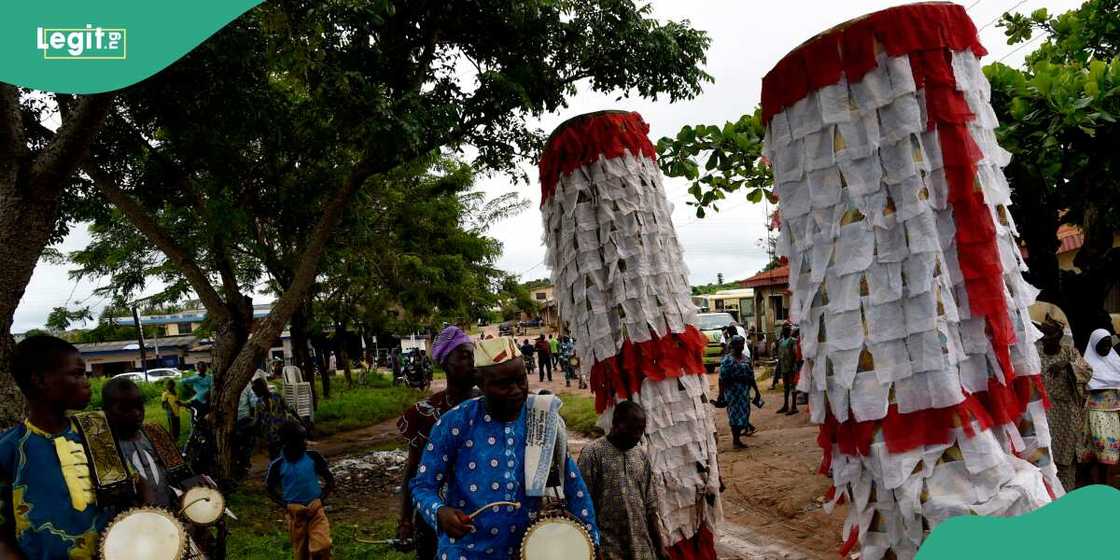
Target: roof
{"points": [[776, 277], [260, 311], [132, 345]]}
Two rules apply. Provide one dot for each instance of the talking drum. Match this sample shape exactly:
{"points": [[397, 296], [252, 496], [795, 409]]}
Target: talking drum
{"points": [[203, 505], [144, 534], [557, 538]]}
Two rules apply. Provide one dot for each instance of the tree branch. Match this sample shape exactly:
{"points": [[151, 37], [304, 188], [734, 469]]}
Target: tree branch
{"points": [[143, 221], [71, 143]]}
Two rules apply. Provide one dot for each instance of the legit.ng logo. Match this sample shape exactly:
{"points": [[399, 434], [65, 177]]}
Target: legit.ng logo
{"points": [[83, 43]]}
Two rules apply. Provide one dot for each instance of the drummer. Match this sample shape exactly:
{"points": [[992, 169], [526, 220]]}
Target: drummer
{"points": [[478, 450], [48, 507], [124, 408]]}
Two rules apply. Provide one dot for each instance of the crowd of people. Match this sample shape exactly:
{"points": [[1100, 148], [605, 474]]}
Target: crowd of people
{"points": [[737, 381], [546, 355], [476, 478]]}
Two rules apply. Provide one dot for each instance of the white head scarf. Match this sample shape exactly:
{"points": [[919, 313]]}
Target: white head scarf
{"points": [[1106, 369]]}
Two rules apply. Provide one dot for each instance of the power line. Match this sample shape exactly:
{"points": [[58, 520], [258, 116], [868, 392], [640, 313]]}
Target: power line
{"points": [[995, 19], [973, 5], [1020, 47]]}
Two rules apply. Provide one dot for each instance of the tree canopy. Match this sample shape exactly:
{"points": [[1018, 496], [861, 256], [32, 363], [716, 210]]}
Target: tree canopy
{"points": [[1058, 119], [254, 147]]}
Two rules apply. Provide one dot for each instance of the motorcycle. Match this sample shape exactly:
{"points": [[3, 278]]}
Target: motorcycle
{"points": [[415, 373]]}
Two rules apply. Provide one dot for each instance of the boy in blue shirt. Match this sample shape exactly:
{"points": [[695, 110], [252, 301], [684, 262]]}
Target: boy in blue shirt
{"points": [[293, 482]]}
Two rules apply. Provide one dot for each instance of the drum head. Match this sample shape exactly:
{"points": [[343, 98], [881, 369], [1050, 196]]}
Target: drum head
{"points": [[203, 505], [557, 538], [144, 534]]}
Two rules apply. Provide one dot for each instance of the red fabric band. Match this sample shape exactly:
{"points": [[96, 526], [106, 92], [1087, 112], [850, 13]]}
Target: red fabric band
{"points": [[701, 546], [585, 139], [850, 50], [621, 375]]}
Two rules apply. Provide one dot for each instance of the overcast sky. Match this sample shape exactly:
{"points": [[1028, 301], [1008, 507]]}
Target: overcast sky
{"points": [[748, 38]]}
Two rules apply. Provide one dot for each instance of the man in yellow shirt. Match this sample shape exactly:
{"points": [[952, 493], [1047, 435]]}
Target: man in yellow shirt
{"points": [[173, 407]]}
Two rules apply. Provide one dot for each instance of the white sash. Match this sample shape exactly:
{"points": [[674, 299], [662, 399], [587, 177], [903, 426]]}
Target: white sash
{"points": [[542, 419]]}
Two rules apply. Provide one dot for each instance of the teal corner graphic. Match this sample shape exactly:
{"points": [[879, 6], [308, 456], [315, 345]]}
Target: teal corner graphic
{"points": [[97, 46], [1072, 527]]}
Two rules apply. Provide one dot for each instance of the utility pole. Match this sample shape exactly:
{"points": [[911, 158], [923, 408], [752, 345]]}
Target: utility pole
{"points": [[140, 337]]}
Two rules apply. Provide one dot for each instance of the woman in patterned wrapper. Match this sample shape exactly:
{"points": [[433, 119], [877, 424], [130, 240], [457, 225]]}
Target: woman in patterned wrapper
{"points": [[737, 380], [1065, 374], [1102, 415], [454, 351]]}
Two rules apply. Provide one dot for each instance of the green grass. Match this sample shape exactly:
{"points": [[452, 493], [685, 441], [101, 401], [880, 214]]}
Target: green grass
{"points": [[579, 413], [261, 533], [370, 403], [153, 410]]}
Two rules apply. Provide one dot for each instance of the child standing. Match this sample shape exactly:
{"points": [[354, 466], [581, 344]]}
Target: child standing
{"points": [[172, 407], [293, 482]]}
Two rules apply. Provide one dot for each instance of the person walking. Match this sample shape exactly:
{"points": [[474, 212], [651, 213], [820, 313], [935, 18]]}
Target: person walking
{"points": [[544, 358], [454, 351], [299, 481], [554, 352], [1102, 416], [787, 368], [527, 352], [1064, 374], [736, 377], [619, 477], [169, 400]]}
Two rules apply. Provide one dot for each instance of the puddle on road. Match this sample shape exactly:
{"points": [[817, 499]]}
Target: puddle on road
{"points": [[740, 543]]}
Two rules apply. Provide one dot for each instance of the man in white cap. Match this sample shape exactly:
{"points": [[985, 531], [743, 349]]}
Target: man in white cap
{"points": [[486, 460]]}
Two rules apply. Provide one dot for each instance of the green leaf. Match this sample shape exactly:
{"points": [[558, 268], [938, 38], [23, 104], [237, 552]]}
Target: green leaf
{"points": [[755, 196]]}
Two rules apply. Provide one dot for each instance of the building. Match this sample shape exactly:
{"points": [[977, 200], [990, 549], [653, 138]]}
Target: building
{"points": [[547, 309], [184, 322], [111, 358], [771, 298]]}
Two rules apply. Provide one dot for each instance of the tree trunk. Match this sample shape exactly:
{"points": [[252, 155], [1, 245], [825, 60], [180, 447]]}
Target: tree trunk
{"points": [[298, 330], [341, 344], [31, 186], [322, 351], [237, 376]]}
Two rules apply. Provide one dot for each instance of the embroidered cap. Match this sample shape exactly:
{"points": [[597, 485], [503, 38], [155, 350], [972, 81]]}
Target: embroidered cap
{"points": [[493, 351]]}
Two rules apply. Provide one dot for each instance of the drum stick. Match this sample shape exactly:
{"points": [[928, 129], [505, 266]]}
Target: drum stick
{"points": [[516, 505]]}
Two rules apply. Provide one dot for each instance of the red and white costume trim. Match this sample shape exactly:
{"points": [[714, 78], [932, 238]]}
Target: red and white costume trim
{"points": [[622, 286], [907, 286]]}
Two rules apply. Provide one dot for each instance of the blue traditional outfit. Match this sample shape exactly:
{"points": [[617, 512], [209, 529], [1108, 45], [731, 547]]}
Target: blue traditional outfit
{"points": [[476, 460], [46, 493], [481, 460], [737, 376]]}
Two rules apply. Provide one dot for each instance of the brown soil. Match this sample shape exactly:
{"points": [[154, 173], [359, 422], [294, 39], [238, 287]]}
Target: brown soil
{"points": [[773, 488]]}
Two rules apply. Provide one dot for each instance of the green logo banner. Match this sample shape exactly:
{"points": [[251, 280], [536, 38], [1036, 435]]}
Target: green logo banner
{"points": [[89, 46], [1076, 526]]}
